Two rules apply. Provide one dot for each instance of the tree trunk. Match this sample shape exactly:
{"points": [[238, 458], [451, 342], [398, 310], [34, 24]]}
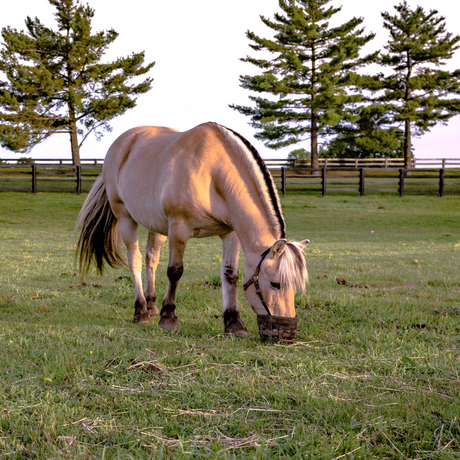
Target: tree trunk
{"points": [[314, 142], [314, 126], [74, 143], [407, 146]]}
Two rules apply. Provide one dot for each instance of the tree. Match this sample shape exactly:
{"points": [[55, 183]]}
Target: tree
{"points": [[370, 135], [299, 154], [57, 84], [418, 94], [308, 77]]}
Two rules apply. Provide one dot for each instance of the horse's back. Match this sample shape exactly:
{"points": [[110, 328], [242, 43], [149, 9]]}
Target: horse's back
{"points": [[160, 172]]}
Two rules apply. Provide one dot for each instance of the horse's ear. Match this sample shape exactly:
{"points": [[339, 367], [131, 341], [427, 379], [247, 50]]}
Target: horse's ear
{"points": [[278, 248], [304, 243]]}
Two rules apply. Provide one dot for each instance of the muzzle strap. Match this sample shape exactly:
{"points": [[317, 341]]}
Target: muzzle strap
{"points": [[255, 279]]}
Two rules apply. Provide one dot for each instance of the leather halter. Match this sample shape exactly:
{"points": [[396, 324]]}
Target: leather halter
{"points": [[255, 279]]}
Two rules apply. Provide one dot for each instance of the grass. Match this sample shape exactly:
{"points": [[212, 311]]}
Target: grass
{"points": [[373, 372]]}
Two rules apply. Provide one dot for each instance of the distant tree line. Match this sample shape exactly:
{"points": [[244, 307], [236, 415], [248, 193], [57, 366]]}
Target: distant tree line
{"points": [[316, 84]]}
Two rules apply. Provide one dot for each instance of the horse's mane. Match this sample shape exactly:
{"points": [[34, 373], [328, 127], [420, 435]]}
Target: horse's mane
{"points": [[262, 177], [292, 269]]}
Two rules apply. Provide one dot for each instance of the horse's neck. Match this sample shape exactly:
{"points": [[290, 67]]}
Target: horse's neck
{"points": [[254, 230]]}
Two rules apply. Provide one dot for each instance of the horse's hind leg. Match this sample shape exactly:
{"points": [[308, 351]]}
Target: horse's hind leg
{"points": [[229, 275], [128, 232], [178, 235], [152, 257]]}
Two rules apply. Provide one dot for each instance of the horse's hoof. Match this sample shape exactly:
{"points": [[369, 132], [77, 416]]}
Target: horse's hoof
{"points": [[240, 334], [238, 329], [153, 311], [168, 319], [234, 324], [169, 325], [141, 318]]}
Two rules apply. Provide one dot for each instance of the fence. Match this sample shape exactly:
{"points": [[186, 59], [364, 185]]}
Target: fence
{"points": [[329, 180], [365, 163], [41, 177], [271, 163], [52, 161], [63, 177]]}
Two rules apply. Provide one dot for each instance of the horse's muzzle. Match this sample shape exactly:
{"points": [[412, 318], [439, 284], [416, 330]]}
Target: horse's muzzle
{"points": [[277, 328]]}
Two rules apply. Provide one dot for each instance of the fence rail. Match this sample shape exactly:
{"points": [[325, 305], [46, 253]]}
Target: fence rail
{"points": [[442, 181], [56, 177], [386, 163], [356, 163], [337, 180], [51, 161]]}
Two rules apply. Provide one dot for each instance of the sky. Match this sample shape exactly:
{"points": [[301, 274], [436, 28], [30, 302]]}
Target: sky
{"points": [[197, 46]]}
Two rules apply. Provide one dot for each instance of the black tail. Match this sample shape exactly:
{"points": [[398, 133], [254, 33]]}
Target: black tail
{"points": [[99, 238]]}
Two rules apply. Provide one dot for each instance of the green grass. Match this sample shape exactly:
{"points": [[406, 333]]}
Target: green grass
{"points": [[374, 372]]}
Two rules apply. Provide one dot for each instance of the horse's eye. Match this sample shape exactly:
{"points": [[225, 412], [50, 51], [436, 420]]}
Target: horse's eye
{"points": [[275, 285]]}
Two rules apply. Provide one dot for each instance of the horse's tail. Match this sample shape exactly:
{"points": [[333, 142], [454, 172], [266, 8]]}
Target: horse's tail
{"points": [[99, 238]]}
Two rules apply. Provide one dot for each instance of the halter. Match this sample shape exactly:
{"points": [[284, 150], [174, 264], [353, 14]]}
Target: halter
{"points": [[255, 279]]}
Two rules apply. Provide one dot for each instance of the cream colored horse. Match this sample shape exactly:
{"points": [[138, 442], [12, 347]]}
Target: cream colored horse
{"points": [[178, 185]]}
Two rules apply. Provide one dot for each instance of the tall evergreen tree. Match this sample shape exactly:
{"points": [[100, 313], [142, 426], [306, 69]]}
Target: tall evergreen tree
{"points": [[370, 135], [418, 94], [312, 67], [57, 84]]}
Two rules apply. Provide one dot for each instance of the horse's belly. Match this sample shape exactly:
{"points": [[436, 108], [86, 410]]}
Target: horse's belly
{"points": [[210, 230], [150, 219]]}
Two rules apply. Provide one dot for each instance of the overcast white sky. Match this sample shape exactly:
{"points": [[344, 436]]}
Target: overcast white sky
{"points": [[197, 45]]}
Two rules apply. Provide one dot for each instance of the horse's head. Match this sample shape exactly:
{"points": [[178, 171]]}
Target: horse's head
{"points": [[280, 273]]}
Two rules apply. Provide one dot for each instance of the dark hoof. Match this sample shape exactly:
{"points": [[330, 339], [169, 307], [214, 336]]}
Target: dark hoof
{"points": [[168, 319], [168, 324], [152, 309], [141, 318], [234, 324], [141, 314]]}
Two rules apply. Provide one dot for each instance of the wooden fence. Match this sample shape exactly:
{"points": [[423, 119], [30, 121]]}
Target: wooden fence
{"points": [[43, 177], [63, 177], [386, 163], [356, 163], [338, 180]]}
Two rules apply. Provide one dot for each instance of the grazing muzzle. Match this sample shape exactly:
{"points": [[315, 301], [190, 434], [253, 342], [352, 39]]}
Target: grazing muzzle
{"points": [[277, 328], [274, 328]]}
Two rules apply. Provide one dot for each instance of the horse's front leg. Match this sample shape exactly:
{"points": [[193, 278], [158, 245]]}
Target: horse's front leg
{"points": [[229, 275], [152, 257], [128, 231], [178, 235]]}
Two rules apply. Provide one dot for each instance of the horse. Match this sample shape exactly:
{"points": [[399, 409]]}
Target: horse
{"points": [[199, 183]]}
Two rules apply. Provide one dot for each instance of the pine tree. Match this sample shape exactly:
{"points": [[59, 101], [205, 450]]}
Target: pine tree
{"points": [[56, 82], [309, 76], [370, 135], [418, 94]]}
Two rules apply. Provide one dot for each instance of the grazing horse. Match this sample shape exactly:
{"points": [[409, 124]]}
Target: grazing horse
{"points": [[203, 182]]}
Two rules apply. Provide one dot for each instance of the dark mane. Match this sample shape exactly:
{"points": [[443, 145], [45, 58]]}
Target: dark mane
{"points": [[274, 200]]}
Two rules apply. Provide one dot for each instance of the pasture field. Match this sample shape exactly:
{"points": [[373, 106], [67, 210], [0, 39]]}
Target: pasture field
{"points": [[374, 372]]}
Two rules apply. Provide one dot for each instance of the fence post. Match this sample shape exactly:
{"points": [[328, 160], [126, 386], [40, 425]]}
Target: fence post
{"points": [[283, 181], [361, 181], [323, 181], [401, 182], [78, 179], [441, 182], [34, 179]]}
